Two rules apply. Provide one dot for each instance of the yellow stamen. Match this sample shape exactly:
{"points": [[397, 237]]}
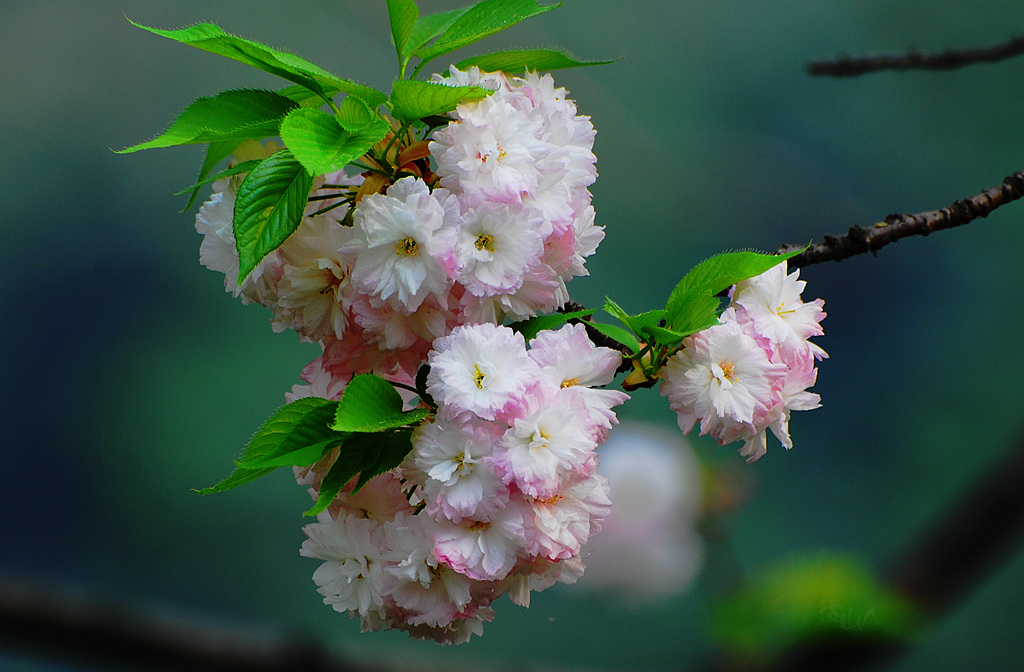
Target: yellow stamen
{"points": [[485, 242], [478, 377], [407, 247], [570, 382]]}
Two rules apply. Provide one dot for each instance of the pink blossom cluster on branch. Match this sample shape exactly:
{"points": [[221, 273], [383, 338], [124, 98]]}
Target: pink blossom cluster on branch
{"points": [[745, 376], [499, 494]]}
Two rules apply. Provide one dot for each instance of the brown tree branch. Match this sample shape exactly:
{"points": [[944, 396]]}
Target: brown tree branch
{"points": [[58, 625], [860, 239], [852, 66]]}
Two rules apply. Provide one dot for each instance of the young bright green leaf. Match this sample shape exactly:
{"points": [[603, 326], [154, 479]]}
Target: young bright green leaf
{"points": [[696, 309], [295, 455], [292, 427], [617, 334], [531, 327], [665, 336], [320, 144], [232, 115], [643, 321], [210, 37], [403, 15], [355, 116], [371, 404], [268, 208], [307, 98], [428, 28], [722, 271], [414, 99], [516, 61], [237, 169], [215, 153], [483, 19], [240, 476], [616, 311], [366, 454]]}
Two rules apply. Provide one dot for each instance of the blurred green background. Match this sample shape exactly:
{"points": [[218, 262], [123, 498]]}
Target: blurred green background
{"points": [[128, 376]]}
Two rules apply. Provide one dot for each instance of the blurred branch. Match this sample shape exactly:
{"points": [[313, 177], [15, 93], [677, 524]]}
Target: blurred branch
{"points": [[860, 239], [852, 66], [43, 622]]}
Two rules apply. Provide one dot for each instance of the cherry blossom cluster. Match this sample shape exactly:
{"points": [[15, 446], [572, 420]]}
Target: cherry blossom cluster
{"points": [[499, 494], [501, 227], [746, 374]]}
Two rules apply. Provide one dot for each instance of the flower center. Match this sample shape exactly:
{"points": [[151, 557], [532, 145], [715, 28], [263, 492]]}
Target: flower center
{"points": [[478, 377], [729, 371], [569, 382], [407, 247], [485, 242], [540, 439]]}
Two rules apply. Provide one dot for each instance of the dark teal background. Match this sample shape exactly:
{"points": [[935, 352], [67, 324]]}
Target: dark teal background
{"points": [[128, 376]]}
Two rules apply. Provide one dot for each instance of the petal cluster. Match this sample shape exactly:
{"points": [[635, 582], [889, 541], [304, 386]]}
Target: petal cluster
{"points": [[745, 376], [499, 494]]}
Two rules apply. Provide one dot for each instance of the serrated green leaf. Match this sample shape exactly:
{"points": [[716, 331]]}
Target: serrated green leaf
{"points": [[721, 272], [307, 98], [639, 323], [237, 169], [367, 455], [479, 21], [413, 99], [232, 115], [210, 37], [355, 116], [268, 208], [237, 477], [371, 404], [296, 455], [664, 336], [292, 427], [215, 153], [320, 144], [616, 311], [697, 309], [428, 28], [617, 334], [402, 15], [531, 327], [515, 61]]}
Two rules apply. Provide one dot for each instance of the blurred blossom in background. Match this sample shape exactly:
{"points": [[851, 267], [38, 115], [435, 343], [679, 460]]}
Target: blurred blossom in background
{"points": [[649, 546]]}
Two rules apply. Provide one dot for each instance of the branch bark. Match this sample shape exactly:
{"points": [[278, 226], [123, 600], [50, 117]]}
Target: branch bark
{"points": [[853, 66], [860, 239]]}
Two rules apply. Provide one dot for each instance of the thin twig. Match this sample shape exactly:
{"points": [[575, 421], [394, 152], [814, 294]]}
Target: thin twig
{"points": [[859, 239], [852, 66]]}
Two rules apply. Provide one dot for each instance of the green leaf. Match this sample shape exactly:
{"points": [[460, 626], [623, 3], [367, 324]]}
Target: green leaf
{"points": [[616, 311], [697, 310], [237, 169], [428, 28], [307, 98], [215, 153], [355, 116], [292, 427], [403, 15], [533, 326], [516, 61], [210, 37], [723, 271], [368, 455], [479, 21], [296, 455], [640, 323], [371, 404], [413, 99], [664, 336], [232, 115], [617, 334], [320, 144], [268, 208]]}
